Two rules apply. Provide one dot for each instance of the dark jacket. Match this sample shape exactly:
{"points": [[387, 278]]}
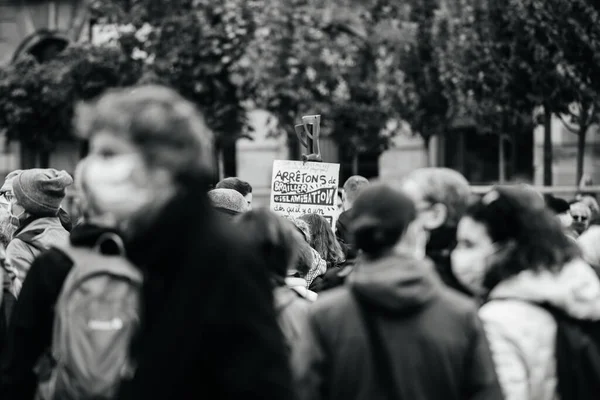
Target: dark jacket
{"points": [[439, 248], [208, 325], [30, 331], [435, 339]]}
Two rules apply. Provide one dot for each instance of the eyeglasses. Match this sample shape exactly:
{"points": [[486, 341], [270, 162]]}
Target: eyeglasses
{"points": [[579, 218], [8, 196]]}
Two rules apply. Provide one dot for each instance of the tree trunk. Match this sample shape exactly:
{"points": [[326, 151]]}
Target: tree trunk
{"points": [[501, 160], [220, 164], [547, 146], [355, 163], [581, 151], [28, 157], [427, 145]]}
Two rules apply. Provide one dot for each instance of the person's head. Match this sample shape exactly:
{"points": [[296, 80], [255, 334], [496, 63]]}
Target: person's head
{"points": [[228, 202], [581, 215], [352, 189], [6, 192], [322, 238], [303, 227], [146, 144], [240, 186], [441, 196], [380, 221], [38, 193], [273, 237], [592, 203], [503, 234]]}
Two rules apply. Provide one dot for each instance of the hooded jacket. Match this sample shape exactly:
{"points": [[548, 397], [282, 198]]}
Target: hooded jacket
{"points": [[30, 332], [292, 311], [522, 335], [434, 337]]}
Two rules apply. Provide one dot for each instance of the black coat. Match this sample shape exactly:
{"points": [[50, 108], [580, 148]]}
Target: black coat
{"points": [[30, 332], [209, 327]]}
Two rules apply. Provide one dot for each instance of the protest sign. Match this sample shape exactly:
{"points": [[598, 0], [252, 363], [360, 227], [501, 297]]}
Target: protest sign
{"points": [[300, 188]]}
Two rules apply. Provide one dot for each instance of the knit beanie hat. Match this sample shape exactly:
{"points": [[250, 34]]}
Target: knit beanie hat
{"points": [[8, 181], [40, 191], [228, 201]]}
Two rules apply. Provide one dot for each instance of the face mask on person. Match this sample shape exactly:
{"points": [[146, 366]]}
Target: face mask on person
{"points": [[112, 185], [15, 219], [470, 266]]}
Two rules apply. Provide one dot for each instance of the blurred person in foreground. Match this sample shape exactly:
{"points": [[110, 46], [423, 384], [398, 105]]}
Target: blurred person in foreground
{"points": [[276, 240], [352, 188], [394, 331], [589, 243], [208, 324], [228, 202], [240, 186], [441, 196], [30, 333], [514, 256]]}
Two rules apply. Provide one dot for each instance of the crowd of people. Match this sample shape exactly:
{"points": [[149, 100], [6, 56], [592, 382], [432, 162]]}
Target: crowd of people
{"points": [[169, 288]]}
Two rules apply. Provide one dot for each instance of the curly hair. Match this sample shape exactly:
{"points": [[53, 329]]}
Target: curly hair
{"points": [[323, 240], [532, 239]]}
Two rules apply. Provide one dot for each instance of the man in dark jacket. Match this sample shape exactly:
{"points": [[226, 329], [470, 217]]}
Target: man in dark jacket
{"points": [[416, 340], [441, 196]]}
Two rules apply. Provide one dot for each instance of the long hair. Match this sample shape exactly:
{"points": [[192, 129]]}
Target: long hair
{"points": [[530, 236], [323, 240]]}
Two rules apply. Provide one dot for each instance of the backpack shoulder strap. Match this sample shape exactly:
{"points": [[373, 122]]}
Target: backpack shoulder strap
{"points": [[28, 237], [382, 361]]}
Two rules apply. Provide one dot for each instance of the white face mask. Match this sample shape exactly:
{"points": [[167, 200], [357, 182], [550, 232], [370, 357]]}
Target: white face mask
{"points": [[470, 266], [112, 186], [15, 219]]}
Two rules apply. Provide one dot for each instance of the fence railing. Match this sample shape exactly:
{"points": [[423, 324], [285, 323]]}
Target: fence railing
{"points": [[546, 189]]}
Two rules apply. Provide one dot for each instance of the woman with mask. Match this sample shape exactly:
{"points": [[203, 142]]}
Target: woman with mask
{"points": [[208, 324], [513, 254]]}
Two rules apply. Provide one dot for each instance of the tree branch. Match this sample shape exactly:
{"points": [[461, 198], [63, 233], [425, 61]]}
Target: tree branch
{"points": [[566, 124]]}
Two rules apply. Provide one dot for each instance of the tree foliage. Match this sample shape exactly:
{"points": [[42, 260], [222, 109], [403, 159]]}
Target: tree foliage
{"points": [[36, 100]]}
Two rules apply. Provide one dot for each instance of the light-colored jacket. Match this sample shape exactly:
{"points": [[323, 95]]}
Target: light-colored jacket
{"points": [[522, 336], [48, 232]]}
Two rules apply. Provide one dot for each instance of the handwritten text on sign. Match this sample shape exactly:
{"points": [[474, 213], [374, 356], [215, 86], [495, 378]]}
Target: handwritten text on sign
{"points": [[304, 188]]}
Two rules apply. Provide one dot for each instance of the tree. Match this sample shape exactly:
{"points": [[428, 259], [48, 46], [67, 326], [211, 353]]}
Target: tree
{"points": [[36, 100], [502, 58], [194, 46]]}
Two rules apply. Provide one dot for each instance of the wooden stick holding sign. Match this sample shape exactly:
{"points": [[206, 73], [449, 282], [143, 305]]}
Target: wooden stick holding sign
{"points": [[308, 133]]}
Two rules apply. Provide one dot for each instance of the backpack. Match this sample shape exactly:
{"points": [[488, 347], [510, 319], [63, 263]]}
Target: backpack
{"points": [[577, 353], [97, 313]]}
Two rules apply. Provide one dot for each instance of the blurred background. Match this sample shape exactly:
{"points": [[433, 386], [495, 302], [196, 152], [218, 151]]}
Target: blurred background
{"points": [[500, 90]]}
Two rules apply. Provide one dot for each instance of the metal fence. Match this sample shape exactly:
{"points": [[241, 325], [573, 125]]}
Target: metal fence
{"points": [[557, 190]]}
